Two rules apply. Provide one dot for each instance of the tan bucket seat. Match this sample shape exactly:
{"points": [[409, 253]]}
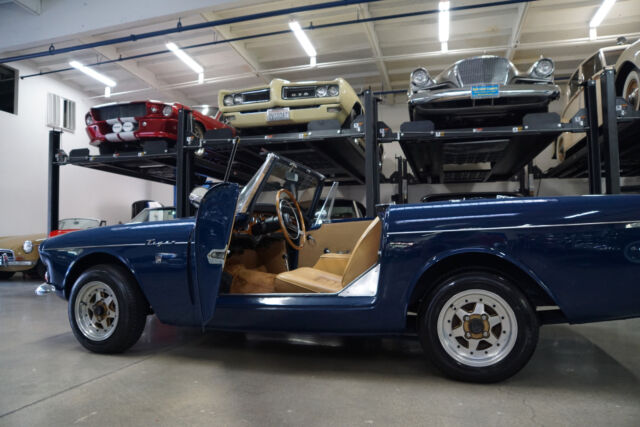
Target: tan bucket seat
{"points": [[333, 272]]}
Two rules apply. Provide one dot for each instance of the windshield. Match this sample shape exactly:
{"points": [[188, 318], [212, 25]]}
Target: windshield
{"points": [[277, 173], [154, 214], [77, 223]]}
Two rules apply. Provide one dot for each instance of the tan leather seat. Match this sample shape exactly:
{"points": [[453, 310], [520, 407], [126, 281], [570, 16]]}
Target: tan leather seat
{"points": [[317, 279]]}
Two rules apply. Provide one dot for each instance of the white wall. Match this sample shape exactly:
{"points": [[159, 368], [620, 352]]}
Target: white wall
{"points": [[23, 167]]}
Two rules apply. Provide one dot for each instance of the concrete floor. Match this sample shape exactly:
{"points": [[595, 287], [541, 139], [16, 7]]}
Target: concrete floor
{"points": [[579, 375]]}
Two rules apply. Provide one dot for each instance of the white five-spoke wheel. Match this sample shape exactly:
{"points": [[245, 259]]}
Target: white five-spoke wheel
{"points": [[478, 326], [96, 310], [107, 310]]}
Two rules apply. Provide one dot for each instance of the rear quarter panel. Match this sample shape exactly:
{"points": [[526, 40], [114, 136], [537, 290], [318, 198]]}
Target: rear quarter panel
{"points": [[584, 251]]}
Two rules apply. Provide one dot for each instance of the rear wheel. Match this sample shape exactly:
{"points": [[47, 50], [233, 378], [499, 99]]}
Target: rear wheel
{"points": [[107, 311], [631, 89], [477, 326], [6, 275]]}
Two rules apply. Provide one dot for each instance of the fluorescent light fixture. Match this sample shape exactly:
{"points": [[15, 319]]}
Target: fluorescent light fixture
{"points": [[312, 61], [444, 46], [602, 12], [92, 73], [191, 63], [200, 78], [107, 92], [303, 39], [593, 33], [443, 21]]}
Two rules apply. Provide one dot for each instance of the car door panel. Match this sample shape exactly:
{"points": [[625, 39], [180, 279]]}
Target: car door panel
{"points": [[214, 223]]}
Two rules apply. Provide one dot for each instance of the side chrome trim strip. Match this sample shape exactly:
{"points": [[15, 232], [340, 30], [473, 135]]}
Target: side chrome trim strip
{"points": [[71, 248], [631, 224]]}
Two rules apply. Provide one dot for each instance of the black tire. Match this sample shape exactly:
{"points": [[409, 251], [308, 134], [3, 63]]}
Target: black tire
{"points": [[131, 309], [631, 89], [474, 285], [6, 275], [38, 271], [198, 130]]}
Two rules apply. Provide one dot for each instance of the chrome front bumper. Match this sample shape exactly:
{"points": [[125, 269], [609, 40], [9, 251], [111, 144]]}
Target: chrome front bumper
{"points": [[5, 263], [550, 92], [45, 288]]}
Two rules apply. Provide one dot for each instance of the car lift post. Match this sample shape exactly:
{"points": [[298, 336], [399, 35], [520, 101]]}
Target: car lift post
{"points": [[372, 168], [593, 145], [610, 132], [184, 166], [54, 181]]}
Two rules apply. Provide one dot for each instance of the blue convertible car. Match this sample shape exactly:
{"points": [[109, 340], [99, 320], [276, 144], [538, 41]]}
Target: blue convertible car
{"points": [[473, 280]]}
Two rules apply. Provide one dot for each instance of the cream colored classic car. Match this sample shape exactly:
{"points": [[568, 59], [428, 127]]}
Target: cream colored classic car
{"points": [[20, 253], [293, 104], [625, 59]]}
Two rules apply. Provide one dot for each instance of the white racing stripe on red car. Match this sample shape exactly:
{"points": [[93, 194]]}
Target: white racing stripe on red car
{"points": [[112, 121], [128, 119], [112, 137], [126, 136]]}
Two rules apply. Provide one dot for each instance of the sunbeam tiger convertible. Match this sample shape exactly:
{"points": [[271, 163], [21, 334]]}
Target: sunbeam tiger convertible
{"points": [[473, 280]]}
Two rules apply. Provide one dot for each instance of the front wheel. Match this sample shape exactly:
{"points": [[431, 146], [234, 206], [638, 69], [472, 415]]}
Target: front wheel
{"points": [[477, 326], [107, 311]]}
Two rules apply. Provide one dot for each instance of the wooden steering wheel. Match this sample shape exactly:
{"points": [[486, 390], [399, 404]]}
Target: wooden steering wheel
{"points": [[293, 224]]}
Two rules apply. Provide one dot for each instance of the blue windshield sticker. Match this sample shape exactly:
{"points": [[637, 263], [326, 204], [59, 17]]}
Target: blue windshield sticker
{"points": [[485, 91]]}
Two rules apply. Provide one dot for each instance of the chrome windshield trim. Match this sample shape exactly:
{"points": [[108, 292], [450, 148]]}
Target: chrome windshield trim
{"points": [[630, 224]]}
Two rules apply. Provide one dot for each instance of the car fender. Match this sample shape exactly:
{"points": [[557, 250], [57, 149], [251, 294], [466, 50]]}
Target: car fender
{"points": [[442, 256]]}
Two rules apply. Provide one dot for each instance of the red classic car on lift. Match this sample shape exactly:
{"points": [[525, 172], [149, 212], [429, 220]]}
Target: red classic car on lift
{"points": [[125, 126]]}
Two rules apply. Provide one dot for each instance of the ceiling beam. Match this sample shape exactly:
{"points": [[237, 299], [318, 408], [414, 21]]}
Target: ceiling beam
{"points": [[375, 46], [143, 74], [248, 57], [514, 41], [34, 7]]}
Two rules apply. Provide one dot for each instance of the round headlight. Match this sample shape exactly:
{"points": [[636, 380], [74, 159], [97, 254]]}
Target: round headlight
{"points": [[88, 119], [544, 67], [420, 77], [27, 246], [167, 110], [238, 99], [228, 100], [334, 90], [321, 91]]}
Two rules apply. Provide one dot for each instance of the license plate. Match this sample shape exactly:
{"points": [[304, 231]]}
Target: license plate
{"points": [[277, 114], [485, 91]]}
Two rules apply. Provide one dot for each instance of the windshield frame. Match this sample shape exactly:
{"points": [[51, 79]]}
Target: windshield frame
{"points": [[249, 194]]}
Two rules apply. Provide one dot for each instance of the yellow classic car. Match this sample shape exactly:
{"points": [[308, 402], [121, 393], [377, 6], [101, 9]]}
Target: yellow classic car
{"points": [[290, 104], [20, 253]]}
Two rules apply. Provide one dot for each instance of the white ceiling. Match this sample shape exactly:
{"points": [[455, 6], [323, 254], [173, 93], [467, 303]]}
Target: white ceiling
{"points": [[380, 54]]}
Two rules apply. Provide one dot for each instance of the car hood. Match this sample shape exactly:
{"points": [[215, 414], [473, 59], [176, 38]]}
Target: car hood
{"points": [[146, 233]]}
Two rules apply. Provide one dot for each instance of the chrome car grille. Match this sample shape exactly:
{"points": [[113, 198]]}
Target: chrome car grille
{"points": [[483, 71], [7, 255], [121, 110], [262, 95]]}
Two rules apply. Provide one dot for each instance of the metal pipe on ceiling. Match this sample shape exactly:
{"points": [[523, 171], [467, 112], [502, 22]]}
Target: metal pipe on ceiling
{"points": [[273, 33], [184, 28]]}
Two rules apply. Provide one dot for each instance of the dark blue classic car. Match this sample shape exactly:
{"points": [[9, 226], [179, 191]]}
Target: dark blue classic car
{"points": [[473, 280]]}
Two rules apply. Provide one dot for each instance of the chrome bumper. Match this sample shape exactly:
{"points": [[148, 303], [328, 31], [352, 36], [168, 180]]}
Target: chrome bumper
{"points": [[4, 263], [45, 288], [511, 91]]}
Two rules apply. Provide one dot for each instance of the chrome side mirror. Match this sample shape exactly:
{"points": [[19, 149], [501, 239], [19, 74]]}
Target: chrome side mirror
{"points": [[196, 195]]}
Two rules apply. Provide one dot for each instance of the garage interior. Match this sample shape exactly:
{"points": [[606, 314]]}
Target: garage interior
{"points": [[578, 374]]}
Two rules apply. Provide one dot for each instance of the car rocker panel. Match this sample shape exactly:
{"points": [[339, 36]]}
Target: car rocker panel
{"points": [[481, 86], [287, 103]]}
